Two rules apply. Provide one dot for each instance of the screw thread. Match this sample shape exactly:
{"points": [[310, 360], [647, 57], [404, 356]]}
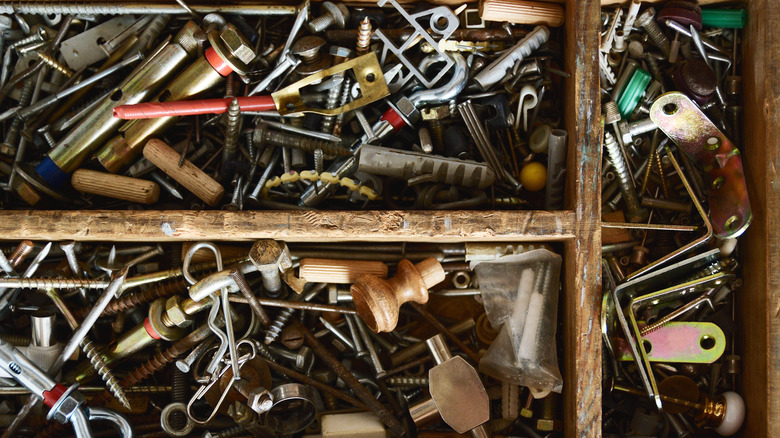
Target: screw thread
{"points": [[633, 206], [364, 36], [279, 139], [319, 161], [232, 128], [330, 103], [34, 38], [437, 133], [654, 67], [12, 136], [140, 298], [105, 372], [407, 381], [156, 363], [179, 395], [265, 352], [657, 36], [275, 329], [52, 283], [51, 62], [320, 23]]}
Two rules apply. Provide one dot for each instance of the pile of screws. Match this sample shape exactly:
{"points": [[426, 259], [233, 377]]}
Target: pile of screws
{"points": [[316, 106], [674, 202], [165, 338]]}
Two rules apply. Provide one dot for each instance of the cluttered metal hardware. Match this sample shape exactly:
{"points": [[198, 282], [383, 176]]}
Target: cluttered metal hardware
{"points": [[262, 339], [674, 203], [109, 107]]}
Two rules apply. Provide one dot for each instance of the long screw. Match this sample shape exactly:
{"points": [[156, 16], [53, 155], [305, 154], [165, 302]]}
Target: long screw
{"points": [[264, 136], [363, 37], [232, 128], [634, 211]]}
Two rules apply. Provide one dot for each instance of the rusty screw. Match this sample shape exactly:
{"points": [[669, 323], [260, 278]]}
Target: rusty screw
{"points": [[292, 337]]}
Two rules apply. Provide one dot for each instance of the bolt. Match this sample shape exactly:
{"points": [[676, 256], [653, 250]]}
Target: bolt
{"points": [[635, 213], [547, 421], [260, 400], [9, 145], [646, 21], [271, 257], [303, 359], [90, 350], [20, 253], [336, 14]]}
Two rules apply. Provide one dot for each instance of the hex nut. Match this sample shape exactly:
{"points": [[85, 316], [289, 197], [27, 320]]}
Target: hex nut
{"points": [[435, 113], [260, 400], [176, 313], [237, 44], [304, 358], [339, 51], [64, 408]]}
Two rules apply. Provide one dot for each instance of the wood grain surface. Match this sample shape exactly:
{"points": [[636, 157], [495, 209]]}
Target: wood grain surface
{"points": [[758, 302], [581, 298], [292, 226]]}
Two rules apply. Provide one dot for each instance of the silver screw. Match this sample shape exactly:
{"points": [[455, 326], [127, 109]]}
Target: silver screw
{"points": [[647, 22], [303, 359], [232, 127], [634, 211], [336, 14], [105, 373]]}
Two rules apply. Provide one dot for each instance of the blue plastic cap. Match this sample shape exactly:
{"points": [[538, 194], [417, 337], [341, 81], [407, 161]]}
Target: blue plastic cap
{"points": [[51, 173]]}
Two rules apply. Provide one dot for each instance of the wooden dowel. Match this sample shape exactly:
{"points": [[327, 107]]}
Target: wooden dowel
{"points": [[521, 12], [339, 271], [115, 186], [188, 175]]}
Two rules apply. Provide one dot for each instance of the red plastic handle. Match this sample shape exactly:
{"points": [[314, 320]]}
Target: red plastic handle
{"points": [[152, 110]]}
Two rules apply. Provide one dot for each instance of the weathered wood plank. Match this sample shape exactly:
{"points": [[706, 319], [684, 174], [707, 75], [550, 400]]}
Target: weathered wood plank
{"points": [[322, 226], [582, 297], [759, 300]]}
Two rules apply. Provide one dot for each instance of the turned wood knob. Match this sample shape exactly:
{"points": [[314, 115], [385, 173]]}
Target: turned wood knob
{"points": [[378, 300]]}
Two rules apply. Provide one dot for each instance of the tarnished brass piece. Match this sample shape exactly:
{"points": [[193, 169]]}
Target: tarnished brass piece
{"points": [[366, 69]]}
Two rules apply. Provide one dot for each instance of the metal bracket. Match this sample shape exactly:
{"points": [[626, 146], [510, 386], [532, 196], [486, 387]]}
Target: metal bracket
{"points": [[367, 71], [680, 342], [441, 21], [686, 125]]}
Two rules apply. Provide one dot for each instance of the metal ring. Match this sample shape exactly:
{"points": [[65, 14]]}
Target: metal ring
{"points": [[461, 279], [165, 420], [298, 405]]}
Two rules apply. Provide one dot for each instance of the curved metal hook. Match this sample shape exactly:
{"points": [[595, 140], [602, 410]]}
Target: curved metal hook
{"points": [[191, 252], [450, 90]]}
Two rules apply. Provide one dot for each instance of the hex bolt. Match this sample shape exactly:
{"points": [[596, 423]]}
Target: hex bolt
{"points": [[264, 136], [646, 21], [634, 211], [302, 360], [336, 14], [270, 257]]}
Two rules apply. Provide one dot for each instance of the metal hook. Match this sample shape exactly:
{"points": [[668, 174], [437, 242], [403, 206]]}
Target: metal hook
{"points": [[228, 337]]}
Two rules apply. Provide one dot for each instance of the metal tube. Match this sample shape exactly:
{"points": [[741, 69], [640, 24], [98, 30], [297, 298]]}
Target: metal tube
{"points": [[43, 328]]}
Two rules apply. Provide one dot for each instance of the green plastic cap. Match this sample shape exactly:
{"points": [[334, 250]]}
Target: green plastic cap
{"points": [[633, 92], [725, 18]]}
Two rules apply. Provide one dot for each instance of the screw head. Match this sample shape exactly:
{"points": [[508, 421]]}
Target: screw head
{"points": [[338, 11], [267, 253], [292, 337]]}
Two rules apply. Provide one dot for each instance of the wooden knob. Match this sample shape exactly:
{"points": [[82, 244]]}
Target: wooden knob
{"points": [[378, 300], [521, 12], [115, 186], [339, 271], [188, 175]]}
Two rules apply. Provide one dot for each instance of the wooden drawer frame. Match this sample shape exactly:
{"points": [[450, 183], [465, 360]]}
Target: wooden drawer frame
{"points": [[578, 227]]}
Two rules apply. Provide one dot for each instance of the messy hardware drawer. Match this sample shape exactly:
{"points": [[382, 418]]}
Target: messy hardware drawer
{"points": [[757, 302]]}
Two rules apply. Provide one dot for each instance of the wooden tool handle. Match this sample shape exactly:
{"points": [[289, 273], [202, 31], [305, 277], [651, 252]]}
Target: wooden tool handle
{"points": [[339, 271], [115, 186], [521, 12], [378, 300], [188, 175]]}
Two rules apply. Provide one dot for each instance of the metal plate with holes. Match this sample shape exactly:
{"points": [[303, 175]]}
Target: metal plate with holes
{"points": [[84, 49], [681, 342], [686, 125], [367, 71], [441, 20]]}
